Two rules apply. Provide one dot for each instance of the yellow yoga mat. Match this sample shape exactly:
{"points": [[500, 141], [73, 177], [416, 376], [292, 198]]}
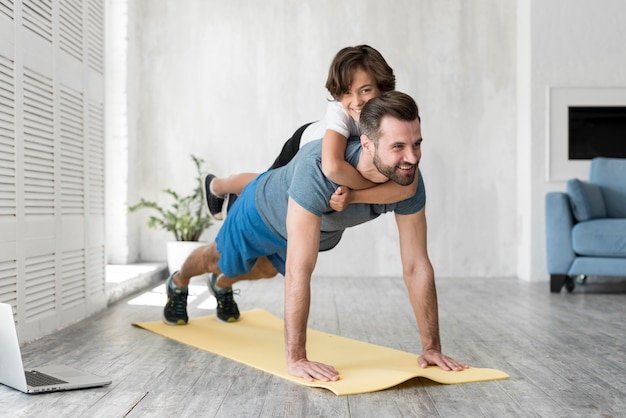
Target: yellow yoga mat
{"points": [[257, 341]]}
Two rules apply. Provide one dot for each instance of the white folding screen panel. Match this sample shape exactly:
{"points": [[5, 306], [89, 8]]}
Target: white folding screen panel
{"points": [[8, 186], [51, 161]]}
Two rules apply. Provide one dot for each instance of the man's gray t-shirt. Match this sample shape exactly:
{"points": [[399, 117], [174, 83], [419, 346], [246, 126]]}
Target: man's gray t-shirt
{"points": [[302, 180]]}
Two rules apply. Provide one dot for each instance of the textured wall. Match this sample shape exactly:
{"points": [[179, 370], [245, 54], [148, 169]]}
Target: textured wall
{"points": [[230, 81]]}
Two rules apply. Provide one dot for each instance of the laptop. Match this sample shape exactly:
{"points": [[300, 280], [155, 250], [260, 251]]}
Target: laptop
{"points": [[43, 379]]}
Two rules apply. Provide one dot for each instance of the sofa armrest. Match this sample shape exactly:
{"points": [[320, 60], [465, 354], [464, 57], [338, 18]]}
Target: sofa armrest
{"points": [[559, 222]]}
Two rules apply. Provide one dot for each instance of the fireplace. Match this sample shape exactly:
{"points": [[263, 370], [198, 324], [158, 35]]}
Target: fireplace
{"points": [[596, 131], [583, 123]]}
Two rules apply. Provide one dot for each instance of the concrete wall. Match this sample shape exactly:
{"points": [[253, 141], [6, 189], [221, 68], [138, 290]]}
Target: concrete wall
{"points": [[230, 81]]}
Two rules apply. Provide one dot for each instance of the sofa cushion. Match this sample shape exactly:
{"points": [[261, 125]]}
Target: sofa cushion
{"points": [[586, 199], [600, 238]]}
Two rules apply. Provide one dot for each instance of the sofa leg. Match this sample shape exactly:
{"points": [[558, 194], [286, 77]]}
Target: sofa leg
{"points": [[556, 282]]}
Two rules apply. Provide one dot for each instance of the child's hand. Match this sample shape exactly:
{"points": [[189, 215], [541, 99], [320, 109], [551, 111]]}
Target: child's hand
{"points": [[341, 198]]}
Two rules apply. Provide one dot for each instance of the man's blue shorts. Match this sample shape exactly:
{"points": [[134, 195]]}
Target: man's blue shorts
{"points": [[244, 237]]}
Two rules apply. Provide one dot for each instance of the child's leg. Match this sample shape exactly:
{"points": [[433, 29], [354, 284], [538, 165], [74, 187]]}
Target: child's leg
{"points": [[231, 185], [220, 194]]}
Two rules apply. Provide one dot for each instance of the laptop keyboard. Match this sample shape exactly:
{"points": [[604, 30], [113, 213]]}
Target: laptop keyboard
{"points": [[35, 379]]}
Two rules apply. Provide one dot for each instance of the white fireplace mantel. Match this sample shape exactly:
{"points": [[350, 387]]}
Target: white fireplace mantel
{"points": [[558, 166]]}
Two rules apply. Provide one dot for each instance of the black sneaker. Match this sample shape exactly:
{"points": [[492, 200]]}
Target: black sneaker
{"points": [[227, 310], [212, 204], [175, 311]]}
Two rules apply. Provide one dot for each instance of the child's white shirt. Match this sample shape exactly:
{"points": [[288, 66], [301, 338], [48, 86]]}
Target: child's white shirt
{"points": [[337, 119]]}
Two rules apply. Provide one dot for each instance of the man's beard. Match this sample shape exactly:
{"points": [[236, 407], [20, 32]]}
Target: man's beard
{"points": [[393, 173]]}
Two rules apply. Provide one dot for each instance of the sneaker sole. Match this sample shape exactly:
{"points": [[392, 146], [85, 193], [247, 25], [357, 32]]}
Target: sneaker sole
{"points": [[179, 322], [225, 207]]}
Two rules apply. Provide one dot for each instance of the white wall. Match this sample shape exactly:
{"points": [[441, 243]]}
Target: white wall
{"points": [[563, 44], [230, 81]]}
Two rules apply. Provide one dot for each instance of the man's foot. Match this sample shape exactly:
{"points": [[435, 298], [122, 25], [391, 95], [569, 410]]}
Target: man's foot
{"points": [[227, 309], [175, 311], [212, 204]]}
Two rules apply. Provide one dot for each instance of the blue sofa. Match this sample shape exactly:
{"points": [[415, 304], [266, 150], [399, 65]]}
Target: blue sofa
{"points": [[586, 226]]}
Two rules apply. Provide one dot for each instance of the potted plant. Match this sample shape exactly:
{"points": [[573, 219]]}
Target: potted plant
{"points": [[185, 218]]}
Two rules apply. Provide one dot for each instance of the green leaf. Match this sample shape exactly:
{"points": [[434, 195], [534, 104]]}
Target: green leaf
{"points": [[185, 218]]}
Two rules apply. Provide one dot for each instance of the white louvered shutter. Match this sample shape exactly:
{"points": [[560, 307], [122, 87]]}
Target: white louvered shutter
{"points": [[51, 161]]}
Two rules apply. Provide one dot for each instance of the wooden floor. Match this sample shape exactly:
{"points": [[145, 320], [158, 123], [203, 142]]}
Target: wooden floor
{"points": [[565, 353]]}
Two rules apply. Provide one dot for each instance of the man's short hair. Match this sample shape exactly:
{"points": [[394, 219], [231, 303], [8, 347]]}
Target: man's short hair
{"points": [[392, 103]]}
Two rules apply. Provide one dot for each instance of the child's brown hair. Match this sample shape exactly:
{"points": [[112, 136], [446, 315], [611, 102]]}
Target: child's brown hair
{"points": [[361, 56]]}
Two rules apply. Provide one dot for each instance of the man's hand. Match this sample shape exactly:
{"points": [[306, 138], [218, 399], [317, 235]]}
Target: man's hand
{"points": [[311, 370], [341, 198], [435, 358]]}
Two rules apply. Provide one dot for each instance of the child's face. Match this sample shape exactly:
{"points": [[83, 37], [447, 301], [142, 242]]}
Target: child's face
{"points": [[362, 89]]}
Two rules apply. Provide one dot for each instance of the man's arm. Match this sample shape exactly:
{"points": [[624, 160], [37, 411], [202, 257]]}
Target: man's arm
{"points": [[303, 237], [419, 278]]}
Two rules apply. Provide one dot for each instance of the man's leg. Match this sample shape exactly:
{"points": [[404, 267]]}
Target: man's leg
{"points": [[201, 260], [205, 260], [220, 286]]}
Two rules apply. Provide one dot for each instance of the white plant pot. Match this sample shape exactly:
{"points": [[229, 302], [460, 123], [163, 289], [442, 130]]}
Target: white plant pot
{"points": [[177, 252]]}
